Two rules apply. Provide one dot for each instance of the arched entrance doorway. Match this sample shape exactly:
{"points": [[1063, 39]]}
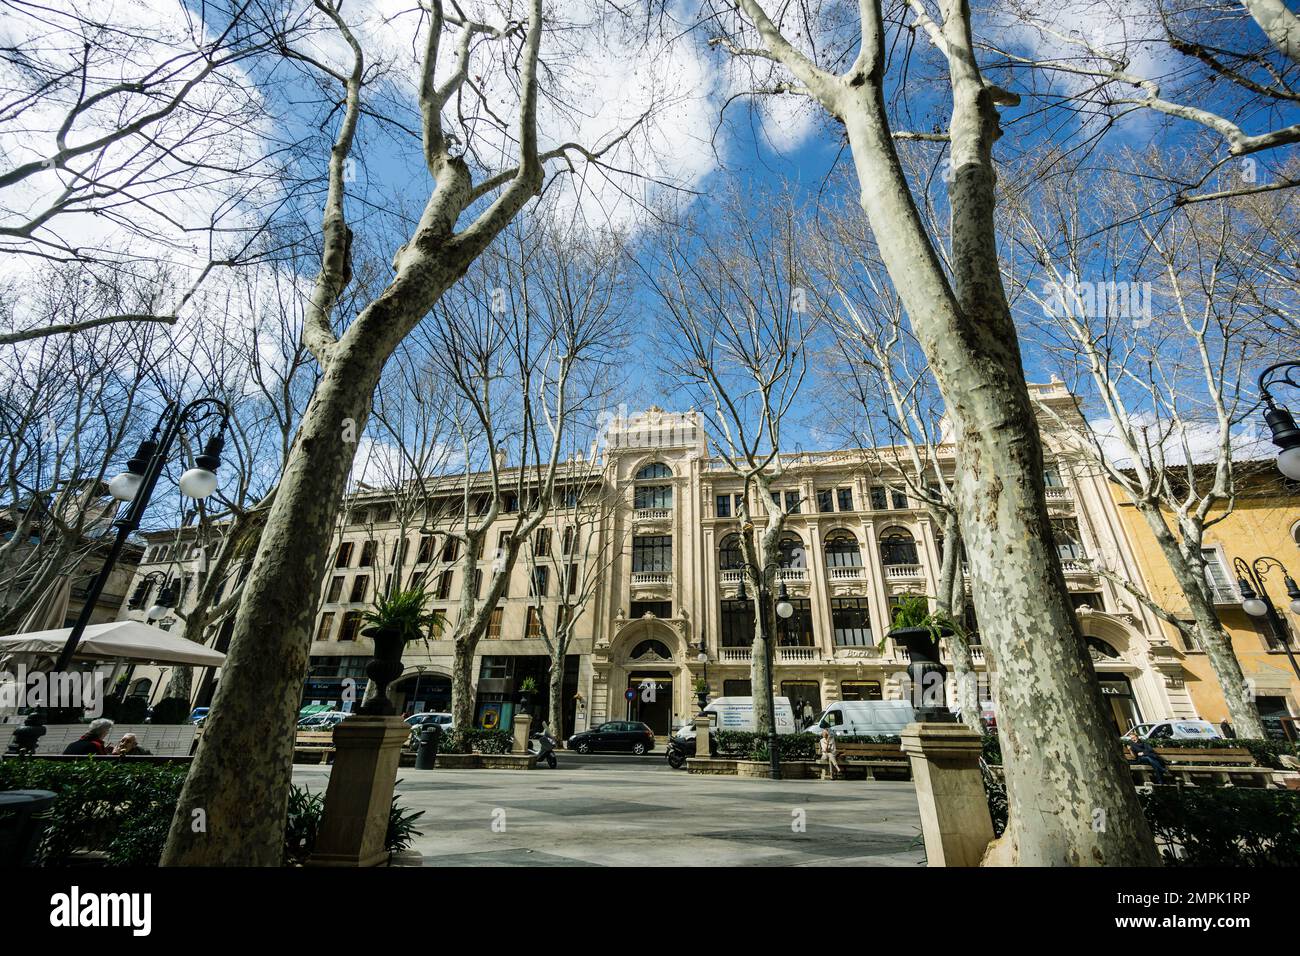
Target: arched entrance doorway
{"points": [[420, 692], [648, 680]]}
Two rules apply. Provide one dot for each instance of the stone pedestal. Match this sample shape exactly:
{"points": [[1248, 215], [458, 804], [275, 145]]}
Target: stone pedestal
{"points": [[520, 726], [949, 792], [367, 751], [701, 736]]}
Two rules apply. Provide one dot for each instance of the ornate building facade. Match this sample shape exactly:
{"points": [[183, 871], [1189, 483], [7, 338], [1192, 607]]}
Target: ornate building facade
{"points": [[663, 613]]}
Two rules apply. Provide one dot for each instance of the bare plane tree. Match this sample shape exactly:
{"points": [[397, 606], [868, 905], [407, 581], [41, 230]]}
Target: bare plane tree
{"points": [[1063, 768], [737, 325]]}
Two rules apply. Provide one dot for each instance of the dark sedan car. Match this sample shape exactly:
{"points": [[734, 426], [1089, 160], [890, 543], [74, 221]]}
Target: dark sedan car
{"points": [[621, 736]]}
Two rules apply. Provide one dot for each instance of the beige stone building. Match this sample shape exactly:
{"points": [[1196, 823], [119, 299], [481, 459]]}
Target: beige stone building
{"points": [[664, 614]]}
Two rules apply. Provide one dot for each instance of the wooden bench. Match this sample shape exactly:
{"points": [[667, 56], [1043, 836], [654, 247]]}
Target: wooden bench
{"points": [[869, 758], [1221, 766], [315, 744]]}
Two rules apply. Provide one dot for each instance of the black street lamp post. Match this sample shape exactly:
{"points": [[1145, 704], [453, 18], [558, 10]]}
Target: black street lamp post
{"points": [[136, 485], [1256, 602], [1281, 423], [703, 694], [784, 610]]}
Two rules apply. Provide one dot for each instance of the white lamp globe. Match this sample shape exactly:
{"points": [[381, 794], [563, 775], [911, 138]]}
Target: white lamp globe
{"points": [[198, 483], [784, 610], [125, 485], [156, 613], [1288, 462], [1295, 606], [1254, 607]]}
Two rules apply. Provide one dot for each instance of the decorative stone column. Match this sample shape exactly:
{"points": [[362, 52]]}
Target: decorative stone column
{"points": [[520, 726], [702, 736], [955, 817], [367, 751]]}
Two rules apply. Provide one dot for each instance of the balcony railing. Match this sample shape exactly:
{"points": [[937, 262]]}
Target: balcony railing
{"points": [[1057, 493], [651, 578], [848, 574], [735, 655], [790, 655], [731, 577], [1077, 566], [792, 575], [902, 572], [653, 514]]}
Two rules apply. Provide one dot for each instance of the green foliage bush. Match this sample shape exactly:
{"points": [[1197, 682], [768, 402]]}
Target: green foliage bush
{"points": [[1224, 826], [124, 810], [118, 808], [477, 741], [170, 710], [132, 710], [1206, 826]]}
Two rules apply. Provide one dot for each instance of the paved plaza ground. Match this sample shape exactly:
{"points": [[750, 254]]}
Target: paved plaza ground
{"points": [[623, 811]]}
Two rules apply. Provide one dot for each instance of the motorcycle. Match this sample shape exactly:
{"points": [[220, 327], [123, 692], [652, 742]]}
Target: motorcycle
{"points": [[544, 750], [681, 748]]}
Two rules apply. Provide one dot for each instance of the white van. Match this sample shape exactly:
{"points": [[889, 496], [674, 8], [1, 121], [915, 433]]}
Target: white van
{"points": [[1175, 730], [846, 718], [737, 713]]}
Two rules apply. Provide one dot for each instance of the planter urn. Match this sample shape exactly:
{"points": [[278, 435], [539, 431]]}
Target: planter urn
{"points": [[928, 676], [384, 668]]}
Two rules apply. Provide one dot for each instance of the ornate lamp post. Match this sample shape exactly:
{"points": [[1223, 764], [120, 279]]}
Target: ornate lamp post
{"points": [[1279, 419], [784, 610], [136, 485], [703, 694], [1256, 602]]}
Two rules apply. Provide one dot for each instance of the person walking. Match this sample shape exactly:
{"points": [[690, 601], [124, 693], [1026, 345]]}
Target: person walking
{"points": [[91, 743], [828, 752]]}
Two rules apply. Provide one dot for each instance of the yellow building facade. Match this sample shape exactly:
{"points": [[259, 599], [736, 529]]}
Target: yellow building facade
{"points": [[1264, 524]]}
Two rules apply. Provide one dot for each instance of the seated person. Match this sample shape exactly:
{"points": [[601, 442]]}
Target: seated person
{"points": [[91, 743], [129, 746], [1143, 752]]}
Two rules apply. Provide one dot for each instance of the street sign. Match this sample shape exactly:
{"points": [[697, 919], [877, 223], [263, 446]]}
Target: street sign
{"points": [[629, 694]]}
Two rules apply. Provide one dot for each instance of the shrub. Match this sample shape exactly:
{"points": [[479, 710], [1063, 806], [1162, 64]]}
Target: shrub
{"points": [[1224, 826], [124, 810], [746, 745], [118, 808], [1205, 826], [170, 710], [477, 741], [992, 749]]}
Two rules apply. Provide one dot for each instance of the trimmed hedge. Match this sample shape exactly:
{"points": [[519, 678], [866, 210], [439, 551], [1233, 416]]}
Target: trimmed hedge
{"points": [[476, 741], [124, 810], [1206, 826], [746, 745], [1224, 826]]}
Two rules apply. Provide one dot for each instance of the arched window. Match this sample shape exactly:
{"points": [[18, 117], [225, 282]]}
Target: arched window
{"points": [[652, 496], [730, 557], [790, 552], [140, 688], [842, 550], [657, 648], [898, 547]]}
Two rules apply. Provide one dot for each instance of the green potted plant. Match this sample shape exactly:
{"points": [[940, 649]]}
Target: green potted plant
{"points": [[527, 688], [917, 628], [702, 692], [392, 621]]}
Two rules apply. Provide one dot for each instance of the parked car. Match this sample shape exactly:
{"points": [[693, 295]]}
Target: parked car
{"points": [[197, 715], [614, 736], [1176, 730], [431, 717], [323, 721]]}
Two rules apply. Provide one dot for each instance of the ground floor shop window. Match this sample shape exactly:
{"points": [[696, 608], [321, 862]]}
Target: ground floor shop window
{"points": [[860, 690], [805, 699], [1118, 694]]}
